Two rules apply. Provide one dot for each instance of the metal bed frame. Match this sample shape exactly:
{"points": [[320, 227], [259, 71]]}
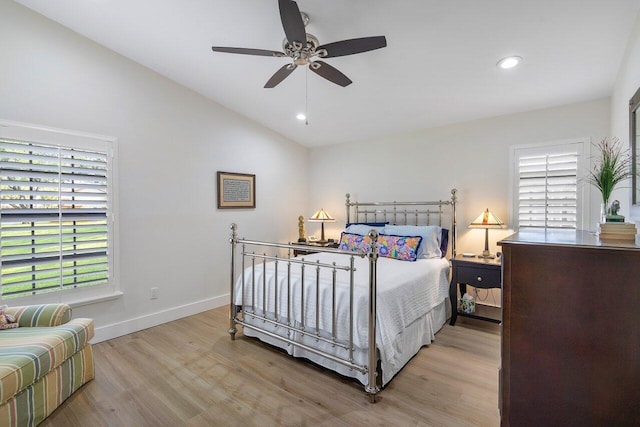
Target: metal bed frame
{"points": [[393, 212]]}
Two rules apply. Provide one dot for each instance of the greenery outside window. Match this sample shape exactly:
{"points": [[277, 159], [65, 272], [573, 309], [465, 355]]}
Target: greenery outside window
{"points": [[55, 215]]}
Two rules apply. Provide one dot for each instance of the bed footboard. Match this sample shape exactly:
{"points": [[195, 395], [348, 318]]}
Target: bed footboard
{"points": [[284, 298]]}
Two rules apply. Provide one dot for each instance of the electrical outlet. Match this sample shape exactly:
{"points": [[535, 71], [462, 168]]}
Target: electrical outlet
{"points": [[154, 293]]}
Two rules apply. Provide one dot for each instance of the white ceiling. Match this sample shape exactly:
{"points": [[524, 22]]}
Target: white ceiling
{"points": [[439, 66]]}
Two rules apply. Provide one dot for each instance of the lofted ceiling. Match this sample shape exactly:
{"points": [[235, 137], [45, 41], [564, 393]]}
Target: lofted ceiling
{"points": [[439, 66]]}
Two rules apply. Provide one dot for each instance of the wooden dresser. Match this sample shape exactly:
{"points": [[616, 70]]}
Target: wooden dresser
{"points": [[570, 330]]}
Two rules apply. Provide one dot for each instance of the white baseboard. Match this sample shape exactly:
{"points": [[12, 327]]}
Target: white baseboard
{"points": [[125, 327]]}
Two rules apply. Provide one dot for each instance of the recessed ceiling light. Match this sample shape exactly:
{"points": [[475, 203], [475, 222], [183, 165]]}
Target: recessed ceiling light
{"points": [[301, 116], [509, 62]]}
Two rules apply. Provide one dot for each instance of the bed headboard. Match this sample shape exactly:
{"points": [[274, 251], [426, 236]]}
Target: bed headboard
{"points": [[438, 212]]}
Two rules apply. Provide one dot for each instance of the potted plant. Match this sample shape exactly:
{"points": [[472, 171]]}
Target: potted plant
{"points": [[612, 165]]}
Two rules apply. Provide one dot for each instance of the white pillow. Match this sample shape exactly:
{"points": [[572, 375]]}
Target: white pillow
{"points": [[362, 229], [430, 246]]}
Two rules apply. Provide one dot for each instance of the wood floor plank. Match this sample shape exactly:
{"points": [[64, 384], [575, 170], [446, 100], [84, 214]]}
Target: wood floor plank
{"points": [[189, 372]]}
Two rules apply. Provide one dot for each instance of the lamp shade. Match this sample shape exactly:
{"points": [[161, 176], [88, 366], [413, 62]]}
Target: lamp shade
{"points": [[487, 220], [321, 216]]}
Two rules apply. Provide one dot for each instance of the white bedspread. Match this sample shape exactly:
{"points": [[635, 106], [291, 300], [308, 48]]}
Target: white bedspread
{"points": [[406, 292]]}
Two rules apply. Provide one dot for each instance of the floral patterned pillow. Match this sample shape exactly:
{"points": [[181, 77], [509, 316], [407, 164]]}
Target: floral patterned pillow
{"points": [[404, 248], [354, 242]]}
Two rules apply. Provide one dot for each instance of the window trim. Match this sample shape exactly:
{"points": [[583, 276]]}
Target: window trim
{"points": [[69, 138], [584, 195]]}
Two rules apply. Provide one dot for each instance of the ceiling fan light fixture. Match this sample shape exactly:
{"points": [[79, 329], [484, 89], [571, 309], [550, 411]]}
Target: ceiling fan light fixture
{"points": [[301, 116], [509, 62]]}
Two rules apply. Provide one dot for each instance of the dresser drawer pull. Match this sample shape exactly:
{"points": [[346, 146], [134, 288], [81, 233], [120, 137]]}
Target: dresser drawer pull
{"points": [[479, 279]]}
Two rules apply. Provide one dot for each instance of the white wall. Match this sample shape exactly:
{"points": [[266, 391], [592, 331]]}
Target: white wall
{"points": [[171, 143], [627, 84], [472, 157]]}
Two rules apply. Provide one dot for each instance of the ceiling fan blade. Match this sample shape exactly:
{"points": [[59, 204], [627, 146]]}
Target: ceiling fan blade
{"points": [[330, 73], [280, 75], [352, 46], [292, 21], [245, 51]]}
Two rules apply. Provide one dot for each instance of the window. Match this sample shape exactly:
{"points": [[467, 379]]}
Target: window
{"points": [[546, 182], [55, 202]]}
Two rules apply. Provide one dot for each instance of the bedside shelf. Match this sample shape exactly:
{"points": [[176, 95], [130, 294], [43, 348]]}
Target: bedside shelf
{"points": [[488, 313]]}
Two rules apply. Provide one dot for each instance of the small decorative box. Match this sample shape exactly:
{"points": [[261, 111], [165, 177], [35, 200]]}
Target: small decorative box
{"points": [[467, 304]]}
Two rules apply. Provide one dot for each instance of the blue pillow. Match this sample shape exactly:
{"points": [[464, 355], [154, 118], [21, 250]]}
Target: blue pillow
{"points": [[431, 236], [444, 242], [371, 224]]}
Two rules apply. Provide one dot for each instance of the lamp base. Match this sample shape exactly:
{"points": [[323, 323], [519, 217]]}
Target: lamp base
{"points": [[486, 254]]}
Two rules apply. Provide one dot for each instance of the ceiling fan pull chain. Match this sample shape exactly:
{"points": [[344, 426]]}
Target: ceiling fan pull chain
{"points": [[306, 96]]}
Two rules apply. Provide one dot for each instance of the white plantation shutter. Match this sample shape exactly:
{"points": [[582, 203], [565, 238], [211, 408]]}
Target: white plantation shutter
{"points": [[547, 193], [54, 228]]}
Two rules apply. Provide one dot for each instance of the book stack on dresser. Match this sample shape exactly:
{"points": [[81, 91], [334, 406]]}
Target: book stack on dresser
{"points": [[625, 231]]}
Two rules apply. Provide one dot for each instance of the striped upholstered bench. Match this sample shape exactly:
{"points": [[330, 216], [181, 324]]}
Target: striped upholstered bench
{"points": [[42, 362]]}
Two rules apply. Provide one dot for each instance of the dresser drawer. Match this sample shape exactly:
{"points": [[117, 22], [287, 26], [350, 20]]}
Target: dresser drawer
{"points": [[479, 277]]}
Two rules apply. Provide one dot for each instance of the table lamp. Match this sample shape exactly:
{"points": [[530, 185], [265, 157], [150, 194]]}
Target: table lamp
{"points": [[487, 220], [321, 216]]}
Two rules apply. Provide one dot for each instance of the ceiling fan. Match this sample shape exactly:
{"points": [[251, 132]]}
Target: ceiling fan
{"points": [[302, 48]]}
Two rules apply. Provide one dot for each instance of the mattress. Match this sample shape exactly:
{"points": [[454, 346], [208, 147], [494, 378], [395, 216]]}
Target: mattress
{"points": [[410, 306]]}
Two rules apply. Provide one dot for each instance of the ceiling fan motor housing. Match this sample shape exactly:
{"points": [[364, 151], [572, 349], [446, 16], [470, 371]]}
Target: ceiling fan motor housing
{"points": [[301, 54]]}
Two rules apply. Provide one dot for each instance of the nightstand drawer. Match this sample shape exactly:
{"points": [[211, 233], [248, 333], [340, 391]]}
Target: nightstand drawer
{"points": [[479, 277]]}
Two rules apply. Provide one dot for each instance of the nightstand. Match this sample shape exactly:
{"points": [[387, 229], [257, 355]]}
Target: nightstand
{"points": [[477, 272], [313, 247]]}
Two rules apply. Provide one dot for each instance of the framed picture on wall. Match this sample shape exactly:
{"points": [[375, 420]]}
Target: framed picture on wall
{"points": [[236, 190]]}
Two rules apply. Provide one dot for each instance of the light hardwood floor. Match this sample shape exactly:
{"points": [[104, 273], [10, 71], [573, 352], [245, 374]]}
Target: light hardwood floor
{"points": [[189, 372]]}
